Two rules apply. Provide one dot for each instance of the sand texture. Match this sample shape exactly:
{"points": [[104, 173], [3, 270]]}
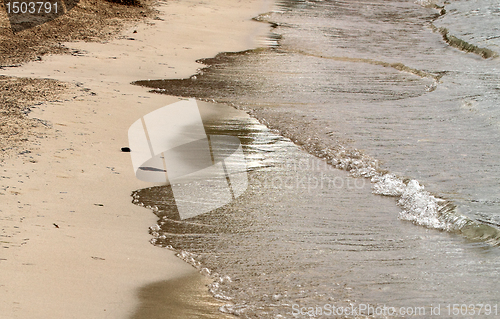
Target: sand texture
{"points": [[73, 245]]}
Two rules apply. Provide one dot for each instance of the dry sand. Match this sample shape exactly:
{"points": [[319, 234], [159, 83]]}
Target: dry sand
{"points": [[94, 262]]}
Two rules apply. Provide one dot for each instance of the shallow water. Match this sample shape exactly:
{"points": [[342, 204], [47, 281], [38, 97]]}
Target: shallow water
{"points": [[307, 234], [374, 90]]}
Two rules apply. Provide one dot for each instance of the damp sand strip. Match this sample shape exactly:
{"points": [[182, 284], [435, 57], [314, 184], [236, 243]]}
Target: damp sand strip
{"points": [[79, 248]]}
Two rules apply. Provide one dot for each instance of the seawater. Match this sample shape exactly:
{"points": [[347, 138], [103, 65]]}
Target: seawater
{"points": [[396, 201]]}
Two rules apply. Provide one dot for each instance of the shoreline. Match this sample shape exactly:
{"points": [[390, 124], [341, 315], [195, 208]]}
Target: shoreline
{"points": [[77, 245]]}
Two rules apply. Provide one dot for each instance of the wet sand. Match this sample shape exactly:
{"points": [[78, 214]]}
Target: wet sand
{"points": [[182, 297], [74, 246]]}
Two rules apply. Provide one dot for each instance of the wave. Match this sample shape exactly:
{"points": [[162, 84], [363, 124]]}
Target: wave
{"points": [[397, 66], [451, 39], [464, 45], [418, 205], [422, 208]]}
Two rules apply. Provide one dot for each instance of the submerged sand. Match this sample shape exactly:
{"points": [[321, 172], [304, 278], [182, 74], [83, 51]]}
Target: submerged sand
{"points": [[73, 244]]}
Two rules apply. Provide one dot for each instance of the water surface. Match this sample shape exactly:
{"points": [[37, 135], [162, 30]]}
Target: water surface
{"points": [[372, 89]]}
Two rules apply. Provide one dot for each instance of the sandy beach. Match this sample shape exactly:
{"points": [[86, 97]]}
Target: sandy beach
{"points": [[73, 244]]}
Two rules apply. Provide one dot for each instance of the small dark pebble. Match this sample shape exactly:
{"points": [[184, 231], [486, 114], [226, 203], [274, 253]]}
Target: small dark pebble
{"points": [[97, 258], [125, 149]]}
